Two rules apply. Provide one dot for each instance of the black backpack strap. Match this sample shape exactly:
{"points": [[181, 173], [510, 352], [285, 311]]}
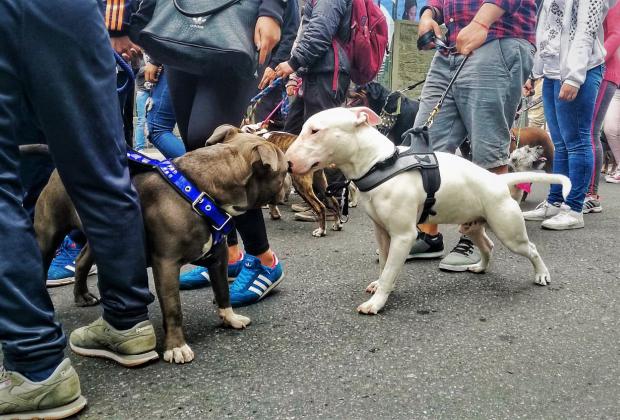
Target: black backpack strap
{"points": [[431, 181]]}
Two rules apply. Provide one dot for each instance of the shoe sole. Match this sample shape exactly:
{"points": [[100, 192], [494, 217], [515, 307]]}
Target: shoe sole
{"points": [[454, 268], [68, 280], [593, 210], [563, 227], [425, 256], [62, 412], [128, 360]]}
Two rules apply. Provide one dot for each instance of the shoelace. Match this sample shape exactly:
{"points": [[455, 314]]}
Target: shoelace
{"points": [[246, 276], [4, 376], [464, 247], [64, 255]]}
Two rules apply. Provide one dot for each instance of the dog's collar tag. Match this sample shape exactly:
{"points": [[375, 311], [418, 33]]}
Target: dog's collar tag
{"points": [[200, 201]]}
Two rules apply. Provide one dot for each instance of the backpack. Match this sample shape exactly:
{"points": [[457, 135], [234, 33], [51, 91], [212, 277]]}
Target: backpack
{"points": [[368, 41]]}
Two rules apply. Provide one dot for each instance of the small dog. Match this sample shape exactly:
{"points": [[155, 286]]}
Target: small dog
{"points": [[382, 101], [534, 137], [525, 159], [245, 172], [307, 186], [347, 139]]}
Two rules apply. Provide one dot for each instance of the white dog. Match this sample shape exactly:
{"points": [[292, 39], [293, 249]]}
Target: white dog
{"points": [[469, 195]]}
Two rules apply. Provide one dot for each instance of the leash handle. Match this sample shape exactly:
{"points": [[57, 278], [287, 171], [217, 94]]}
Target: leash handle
{"points": [[131, 77]]}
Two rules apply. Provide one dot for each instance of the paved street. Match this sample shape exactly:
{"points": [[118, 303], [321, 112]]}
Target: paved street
{"points": [[446, 346]]}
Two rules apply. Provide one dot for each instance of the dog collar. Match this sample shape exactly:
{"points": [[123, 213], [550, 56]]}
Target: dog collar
{"points": [[201, 202]]}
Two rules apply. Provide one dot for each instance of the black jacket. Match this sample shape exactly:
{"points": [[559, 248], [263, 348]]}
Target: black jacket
{"points": [[290, 25], [322, 21]]}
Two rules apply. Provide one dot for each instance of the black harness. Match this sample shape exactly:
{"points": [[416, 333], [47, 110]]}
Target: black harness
{"points": [[419, 156]]}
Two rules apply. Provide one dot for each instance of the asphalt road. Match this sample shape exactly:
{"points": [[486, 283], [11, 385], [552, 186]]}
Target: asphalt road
{"points": [[450, 346]]}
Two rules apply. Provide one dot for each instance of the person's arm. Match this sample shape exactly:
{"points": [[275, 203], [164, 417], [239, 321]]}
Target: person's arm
{"points": [[116, 15], [290, 27], [475, 34], [318, 34], [589, 20], [612, 41]]}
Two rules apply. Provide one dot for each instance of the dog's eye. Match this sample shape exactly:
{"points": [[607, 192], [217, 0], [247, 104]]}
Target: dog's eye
{"points": [[314, 131]]}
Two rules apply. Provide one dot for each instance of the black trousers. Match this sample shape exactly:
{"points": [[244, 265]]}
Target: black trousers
{"points": [[201, 104], [78, 114], [318, 95]]}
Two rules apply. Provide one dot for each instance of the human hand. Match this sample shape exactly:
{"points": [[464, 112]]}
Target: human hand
{"points": [[528, 88], [151, 73], [266, 35], [284, 70], [471, 37], [125, 48], [568, 92], [268, 76], [291, 90], [428, 24]]}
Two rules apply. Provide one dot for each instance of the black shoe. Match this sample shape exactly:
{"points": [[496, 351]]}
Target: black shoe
{"points": [[426, 247]]}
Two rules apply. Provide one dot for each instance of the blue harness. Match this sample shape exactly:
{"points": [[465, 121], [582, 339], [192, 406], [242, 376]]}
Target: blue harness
{"points": [[219, 220]]}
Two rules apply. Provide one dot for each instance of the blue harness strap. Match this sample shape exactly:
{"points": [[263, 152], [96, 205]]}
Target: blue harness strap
{"points": [[200, 201]]}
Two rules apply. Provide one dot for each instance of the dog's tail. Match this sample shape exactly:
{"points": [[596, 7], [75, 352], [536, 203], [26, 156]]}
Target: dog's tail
{"points": [[514, 178]]}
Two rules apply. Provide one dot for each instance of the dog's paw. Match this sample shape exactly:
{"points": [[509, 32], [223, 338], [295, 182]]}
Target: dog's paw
{"points": [[337, 226], [86, 299], [477, 268], [233, 320], [372, 287], [542, 279], [179, 355], [370, 307], [274, 213], [317, 233]]}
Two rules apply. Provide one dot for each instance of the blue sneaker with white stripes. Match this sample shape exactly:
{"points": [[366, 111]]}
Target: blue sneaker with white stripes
{"points": [[199, 276], [62, 268], [255, 281]]}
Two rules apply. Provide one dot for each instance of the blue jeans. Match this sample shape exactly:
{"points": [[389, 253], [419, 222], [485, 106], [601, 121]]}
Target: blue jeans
{"points": [[139, 140], [80, 119], [161, 120], [570, 124]]}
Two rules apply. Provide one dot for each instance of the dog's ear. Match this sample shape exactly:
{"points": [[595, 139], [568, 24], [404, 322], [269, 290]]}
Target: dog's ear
{"points": [[221, 134], [268, 157], [365, 115]]}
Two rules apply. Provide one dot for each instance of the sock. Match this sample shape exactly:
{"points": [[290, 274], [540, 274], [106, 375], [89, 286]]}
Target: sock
{"points": [[239, 258], [39, 375]]}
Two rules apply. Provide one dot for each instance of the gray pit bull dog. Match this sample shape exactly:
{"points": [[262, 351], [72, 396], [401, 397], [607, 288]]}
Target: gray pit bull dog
{"points": [[242, 173]]}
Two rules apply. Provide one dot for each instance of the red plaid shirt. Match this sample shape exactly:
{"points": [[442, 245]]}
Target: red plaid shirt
{"points": [[519, 21]]}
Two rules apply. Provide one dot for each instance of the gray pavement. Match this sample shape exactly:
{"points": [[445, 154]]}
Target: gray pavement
{"points": [[450, 346]]}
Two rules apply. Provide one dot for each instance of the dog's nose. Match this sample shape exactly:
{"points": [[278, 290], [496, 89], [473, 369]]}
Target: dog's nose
{"points": [[290, 167]]}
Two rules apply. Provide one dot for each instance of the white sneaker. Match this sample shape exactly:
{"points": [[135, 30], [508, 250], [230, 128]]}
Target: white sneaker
{"points": [[565, 219], [542, 211], [613, 178]]}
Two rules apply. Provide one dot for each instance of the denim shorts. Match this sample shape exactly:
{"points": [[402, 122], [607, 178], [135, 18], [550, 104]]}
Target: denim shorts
{"points": [[482, 102]]}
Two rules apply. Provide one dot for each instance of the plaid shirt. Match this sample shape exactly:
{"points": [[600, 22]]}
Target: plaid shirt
{"points": [[519, 21]]}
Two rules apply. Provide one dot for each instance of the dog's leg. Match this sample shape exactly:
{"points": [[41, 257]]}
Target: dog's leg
{"points": [[508, 225], [319, 184], [354, 195], [217, 264], [166, 274], [274, 212], [479, 237], [303, 185], [398, 251], [83, 263], [383, 241]]}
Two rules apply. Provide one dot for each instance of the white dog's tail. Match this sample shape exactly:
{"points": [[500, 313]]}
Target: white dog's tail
{"points": [[514, 178]]}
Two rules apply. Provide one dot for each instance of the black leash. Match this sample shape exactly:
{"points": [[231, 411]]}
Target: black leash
{"points": [[435, 110]]}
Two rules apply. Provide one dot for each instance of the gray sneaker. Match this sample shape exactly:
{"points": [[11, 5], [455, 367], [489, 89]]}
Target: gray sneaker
{"points": [[131, 347], [57, 397], [461, 257]]}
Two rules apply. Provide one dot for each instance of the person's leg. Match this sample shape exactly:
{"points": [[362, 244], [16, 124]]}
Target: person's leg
{"points": [[295, 119], [605, 93], [161, 121], [446, 134], [182, 88], [139, 140], [87, 144], [612, 128]]}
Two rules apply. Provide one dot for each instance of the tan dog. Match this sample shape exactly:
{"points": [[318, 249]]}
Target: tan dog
{"points": [[245, 173], [305, 185], [533, 137]]}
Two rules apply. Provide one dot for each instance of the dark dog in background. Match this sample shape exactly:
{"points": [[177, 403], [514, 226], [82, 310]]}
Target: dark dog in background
{"points": [[385, 104]]}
